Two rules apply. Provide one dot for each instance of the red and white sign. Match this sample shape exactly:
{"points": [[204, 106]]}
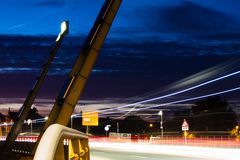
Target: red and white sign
{"points": [[185, 126]]}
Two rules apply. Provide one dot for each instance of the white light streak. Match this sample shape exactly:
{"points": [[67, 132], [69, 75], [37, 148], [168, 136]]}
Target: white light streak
{"points": [[179, 92], [191, 99], [171, 150]]}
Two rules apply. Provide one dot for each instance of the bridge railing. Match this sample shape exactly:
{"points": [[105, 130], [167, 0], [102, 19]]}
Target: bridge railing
{"points": [[51, 146]]}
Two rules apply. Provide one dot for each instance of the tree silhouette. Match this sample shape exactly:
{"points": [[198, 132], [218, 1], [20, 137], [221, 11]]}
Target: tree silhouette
{"points": [[213, 114]]}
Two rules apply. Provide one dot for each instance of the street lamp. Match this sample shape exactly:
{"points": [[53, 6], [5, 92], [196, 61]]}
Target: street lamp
{"points": [[63, 30], [160, 113], [29, 122], [237, 127], [64, 27]]}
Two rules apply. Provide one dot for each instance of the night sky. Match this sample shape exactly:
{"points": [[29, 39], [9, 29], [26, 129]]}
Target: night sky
{"points": [[151, 45]]}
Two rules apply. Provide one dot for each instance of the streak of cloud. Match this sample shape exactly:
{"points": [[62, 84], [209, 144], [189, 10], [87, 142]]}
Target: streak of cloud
{"points": [[51, 3]]}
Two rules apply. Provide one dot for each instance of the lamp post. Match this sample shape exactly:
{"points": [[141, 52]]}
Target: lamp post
{"points": [[160, 113], [64, 30], [29, 122], [117, 127], [64, 27]]}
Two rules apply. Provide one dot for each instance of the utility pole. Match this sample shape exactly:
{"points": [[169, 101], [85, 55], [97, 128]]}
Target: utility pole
{"points": [[117, 127]]}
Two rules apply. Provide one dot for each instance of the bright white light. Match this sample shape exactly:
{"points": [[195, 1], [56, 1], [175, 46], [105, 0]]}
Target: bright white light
{"points": [[29, 121], [64, 27], [181, 151], [46, 118], [175, 93], [160, 113], [191, 99], [182, 91], [64, 30], [58, 37]]}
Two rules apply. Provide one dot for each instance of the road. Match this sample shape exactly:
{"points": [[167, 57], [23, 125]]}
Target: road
{"points": [[109, 155], [127, 151]]}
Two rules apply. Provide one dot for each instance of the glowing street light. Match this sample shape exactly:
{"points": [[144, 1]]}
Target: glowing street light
{"points": [[29, 122], [64, 30], [160, 113], [64, 27]]}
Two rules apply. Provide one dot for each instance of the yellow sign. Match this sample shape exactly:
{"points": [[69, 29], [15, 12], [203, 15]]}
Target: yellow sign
{"points": [[90, 118]]}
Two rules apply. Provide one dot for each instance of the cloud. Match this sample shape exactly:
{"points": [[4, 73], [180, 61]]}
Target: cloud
{"points": [[51, 3], [122, 62], [189, 17]]}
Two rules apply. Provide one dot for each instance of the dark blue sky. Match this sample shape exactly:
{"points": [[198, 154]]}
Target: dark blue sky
{"points": [[151, 43], [43, 16]]}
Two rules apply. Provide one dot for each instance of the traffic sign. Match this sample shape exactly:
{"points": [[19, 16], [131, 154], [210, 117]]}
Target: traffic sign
{"points": [[90, 118], [185, 126]]}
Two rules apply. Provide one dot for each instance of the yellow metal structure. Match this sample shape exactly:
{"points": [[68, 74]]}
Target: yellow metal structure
{"points": [[90, 118], [51, 146], [74, 85], [78, 149]]}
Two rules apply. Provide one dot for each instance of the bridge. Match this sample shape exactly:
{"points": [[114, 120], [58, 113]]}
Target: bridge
{"points": [[67, 98], [57, 141]]}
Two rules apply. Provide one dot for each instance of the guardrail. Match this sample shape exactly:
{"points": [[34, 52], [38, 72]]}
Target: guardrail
{"points": [[51, 146], [203, 141]]}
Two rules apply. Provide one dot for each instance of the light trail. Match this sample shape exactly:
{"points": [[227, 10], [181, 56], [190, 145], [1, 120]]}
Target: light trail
{"points": [[169, 150], [171, 94], [162, 97], [179, 101], [174, 102], [182, 91], [194, 98], [40, 120]]}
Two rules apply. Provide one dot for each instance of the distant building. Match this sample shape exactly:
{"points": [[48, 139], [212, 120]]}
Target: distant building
{"points": [[12, 116], [33, 114]]}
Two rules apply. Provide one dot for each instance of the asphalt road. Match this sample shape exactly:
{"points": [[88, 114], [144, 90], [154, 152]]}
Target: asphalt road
{"points": [[129, 151], [110, 155]]}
